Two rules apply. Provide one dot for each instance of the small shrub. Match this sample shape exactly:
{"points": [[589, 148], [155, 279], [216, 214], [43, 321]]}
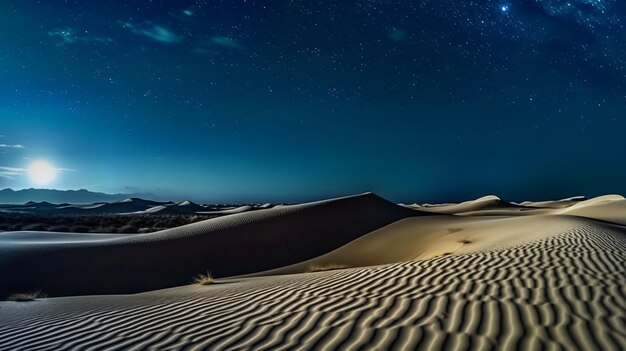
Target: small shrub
{"points": [[325, 267], [24, 297], [204, 279], [465, 242]]}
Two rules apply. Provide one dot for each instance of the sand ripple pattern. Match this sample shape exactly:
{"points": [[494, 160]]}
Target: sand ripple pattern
{"points": [[567, 292]]}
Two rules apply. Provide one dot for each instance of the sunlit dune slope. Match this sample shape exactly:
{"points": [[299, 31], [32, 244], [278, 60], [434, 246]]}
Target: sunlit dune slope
{"points": [[431, 236], [610, 208]]}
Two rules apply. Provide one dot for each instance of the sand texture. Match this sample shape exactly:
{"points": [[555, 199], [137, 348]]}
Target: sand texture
{"points": [[236, 244], [552, 277]]}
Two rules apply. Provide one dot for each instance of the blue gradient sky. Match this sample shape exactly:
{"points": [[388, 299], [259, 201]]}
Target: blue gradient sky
{"points": [[295, 100]]}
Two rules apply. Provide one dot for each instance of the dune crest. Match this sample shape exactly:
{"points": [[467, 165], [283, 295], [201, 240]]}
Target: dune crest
{"points": [[489, 202], [236, 244]]}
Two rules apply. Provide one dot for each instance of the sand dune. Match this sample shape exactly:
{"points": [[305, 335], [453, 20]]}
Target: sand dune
{"points": [[231, 245], [610, 208], [130, 206], [239, 209], [553, 204], [479, 275], [184, 207], [565, 291], [490, 202], [32, 206], [124, 206], [432, 236]]}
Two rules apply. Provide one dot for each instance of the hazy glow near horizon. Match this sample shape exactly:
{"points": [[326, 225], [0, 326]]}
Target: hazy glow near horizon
{"points": [[42, 172]]}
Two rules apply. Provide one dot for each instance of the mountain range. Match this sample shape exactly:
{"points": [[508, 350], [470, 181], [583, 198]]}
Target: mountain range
{"points": [[82, 196]]}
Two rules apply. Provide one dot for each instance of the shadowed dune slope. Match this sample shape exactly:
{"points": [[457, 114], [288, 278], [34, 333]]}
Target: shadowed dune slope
{"points": [[563, 292], [231, 245]]}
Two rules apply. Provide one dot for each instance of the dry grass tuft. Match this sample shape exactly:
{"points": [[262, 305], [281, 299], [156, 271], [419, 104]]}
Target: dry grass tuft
{"points": [[204, 279], [325, 267], [24, 297]]}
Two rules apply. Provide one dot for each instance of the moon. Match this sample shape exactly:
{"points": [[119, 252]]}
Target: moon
{"points": [[42, 172]]}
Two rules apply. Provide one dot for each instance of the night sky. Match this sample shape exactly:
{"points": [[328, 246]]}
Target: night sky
{"points": [[432, 100]]}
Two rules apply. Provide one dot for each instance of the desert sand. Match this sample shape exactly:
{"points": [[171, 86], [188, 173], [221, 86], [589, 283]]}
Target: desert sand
{"points": [[237, 244], [480, 275]]}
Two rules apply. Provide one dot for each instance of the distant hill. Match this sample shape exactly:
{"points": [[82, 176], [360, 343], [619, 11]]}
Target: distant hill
{"points": [[82, 196]]}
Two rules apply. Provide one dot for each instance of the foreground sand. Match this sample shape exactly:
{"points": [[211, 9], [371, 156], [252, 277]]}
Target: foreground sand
{"points": [[563, 292], [548, 276]]}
